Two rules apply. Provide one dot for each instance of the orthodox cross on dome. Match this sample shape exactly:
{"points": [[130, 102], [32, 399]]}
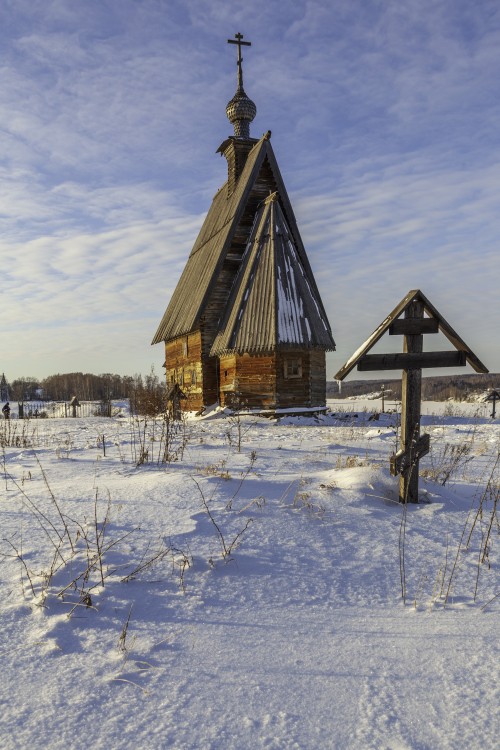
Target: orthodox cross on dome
{"points": [[240, 110], [238, 39]]}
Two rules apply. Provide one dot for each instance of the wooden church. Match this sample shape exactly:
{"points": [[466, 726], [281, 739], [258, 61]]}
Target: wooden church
{"points": [[246, 326]]}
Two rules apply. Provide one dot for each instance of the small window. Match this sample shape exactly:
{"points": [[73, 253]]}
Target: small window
{"points": [[185, 348], [193, 377], [293, 368], [181, 377], [225, 373]]}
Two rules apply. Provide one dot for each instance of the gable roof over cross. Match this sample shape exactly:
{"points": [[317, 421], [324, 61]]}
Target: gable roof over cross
{"points": [[396, 325]]}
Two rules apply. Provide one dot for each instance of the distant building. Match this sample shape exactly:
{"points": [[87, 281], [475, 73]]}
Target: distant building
{"points": [[246, 325]]}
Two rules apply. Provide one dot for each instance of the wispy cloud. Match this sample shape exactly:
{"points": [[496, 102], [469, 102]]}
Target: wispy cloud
{"points": [[385, 124]]}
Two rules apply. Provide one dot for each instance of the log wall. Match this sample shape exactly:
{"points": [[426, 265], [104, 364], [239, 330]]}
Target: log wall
{"points": [[254, 382], [262, 381], [293, 392], [210, 366], [318, 378], [308, 390], [248, 381], [183, 366]]}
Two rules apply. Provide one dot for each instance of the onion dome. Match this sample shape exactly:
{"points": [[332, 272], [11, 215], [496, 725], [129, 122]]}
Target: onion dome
{"points": [[241, 110]]}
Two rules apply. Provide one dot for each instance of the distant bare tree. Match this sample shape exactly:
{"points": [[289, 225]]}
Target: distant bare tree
{"points": [[148, 396], [25, 389]]}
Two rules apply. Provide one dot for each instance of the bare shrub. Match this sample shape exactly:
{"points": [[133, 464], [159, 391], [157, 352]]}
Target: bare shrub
{"points": [[237, 427], [350, 462], [80, 557], [148, 396], [228, 543], [18, 433], [158, 440], [481, 525], [446, 460], [216, 470]]}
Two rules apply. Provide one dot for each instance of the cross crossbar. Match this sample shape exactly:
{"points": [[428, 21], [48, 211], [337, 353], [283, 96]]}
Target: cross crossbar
{"points": [[238, 39], [411, 361]]}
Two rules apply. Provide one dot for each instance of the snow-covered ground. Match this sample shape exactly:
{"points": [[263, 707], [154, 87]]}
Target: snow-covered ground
{"points": [[249, 599]]}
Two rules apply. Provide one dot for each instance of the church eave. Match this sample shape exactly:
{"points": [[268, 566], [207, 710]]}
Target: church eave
{"points": [[263, 351]]}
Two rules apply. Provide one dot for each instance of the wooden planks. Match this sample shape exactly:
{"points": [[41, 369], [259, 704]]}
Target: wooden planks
{"points": [[410, 412], [411, 360], [413, 326]]}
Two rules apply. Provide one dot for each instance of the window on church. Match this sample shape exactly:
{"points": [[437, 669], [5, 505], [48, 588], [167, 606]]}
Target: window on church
{"points": [[185, 348], [293, 368], [193, 377]]}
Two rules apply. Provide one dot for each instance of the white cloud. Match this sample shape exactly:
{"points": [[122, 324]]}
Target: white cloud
{"points": [[385, 125]]}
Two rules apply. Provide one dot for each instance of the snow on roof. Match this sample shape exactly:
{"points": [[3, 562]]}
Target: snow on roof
{"points": [[274, 302]]}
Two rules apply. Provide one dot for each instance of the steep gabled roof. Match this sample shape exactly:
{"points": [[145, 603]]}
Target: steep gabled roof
{"points": [[273, 303], [200, 273], [192, 293]]}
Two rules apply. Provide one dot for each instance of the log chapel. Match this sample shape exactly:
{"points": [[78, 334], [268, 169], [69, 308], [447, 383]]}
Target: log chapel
{"points": [[246, 327]]}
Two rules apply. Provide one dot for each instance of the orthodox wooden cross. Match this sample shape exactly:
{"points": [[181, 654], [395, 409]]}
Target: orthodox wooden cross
{"points": [[408, 320], [174, 397], [384, 391], [493, 396], [238, 39], [74, 403]]}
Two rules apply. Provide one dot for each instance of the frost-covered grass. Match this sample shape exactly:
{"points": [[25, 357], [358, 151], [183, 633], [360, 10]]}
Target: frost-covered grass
{"points": [[210, 597]]}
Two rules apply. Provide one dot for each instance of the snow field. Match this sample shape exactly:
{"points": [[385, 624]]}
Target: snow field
{"points": [[298, 638]]}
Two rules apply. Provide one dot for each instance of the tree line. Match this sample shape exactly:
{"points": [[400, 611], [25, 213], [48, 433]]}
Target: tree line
{"points": [[434, 388], [146, 393]]}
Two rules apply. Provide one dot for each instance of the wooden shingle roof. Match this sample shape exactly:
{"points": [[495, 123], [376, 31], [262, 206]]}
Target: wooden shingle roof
{"points": [[192, 293], [273, 304]]}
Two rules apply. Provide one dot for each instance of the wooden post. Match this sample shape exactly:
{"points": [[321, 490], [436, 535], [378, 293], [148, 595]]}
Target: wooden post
{"points": [[493, 396], [410, 411], [74, 403]]}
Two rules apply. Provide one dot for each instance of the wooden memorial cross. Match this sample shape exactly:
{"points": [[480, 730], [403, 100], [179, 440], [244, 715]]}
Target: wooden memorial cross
{"points": [[74, 403], [174, 397], [408, 320], [493, 396]]}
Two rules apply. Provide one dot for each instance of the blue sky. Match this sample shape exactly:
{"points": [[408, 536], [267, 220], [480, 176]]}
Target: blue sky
{"points": [[385, 123]]}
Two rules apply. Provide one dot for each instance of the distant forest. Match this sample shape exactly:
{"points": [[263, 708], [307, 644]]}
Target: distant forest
{"points": [[89, 387], [438, 388], [85, 386]]}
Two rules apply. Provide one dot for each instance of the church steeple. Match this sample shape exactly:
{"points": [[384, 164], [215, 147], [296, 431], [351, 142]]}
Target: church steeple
{"points": [[246, 323], [241, 110]]}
